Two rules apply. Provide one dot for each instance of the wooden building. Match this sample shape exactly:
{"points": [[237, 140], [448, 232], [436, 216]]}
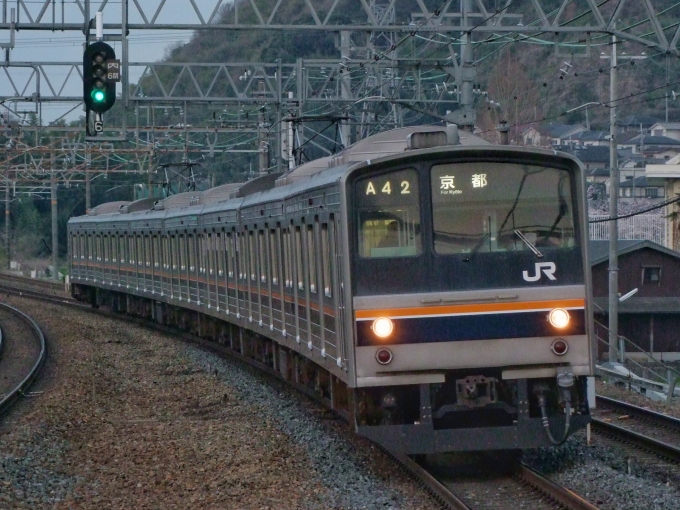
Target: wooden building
{"points": [[651, 317]]}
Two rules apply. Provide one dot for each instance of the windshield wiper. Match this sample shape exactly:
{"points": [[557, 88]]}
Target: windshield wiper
{"points": [[528, 243], [476, 248]]}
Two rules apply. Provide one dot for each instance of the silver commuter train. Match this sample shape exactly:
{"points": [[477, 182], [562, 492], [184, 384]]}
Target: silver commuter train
{"points": [[433, 287]]}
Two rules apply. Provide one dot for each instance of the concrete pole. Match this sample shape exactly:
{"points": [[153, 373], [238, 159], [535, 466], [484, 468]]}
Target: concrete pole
{"points": [[279, 132], [345, 85], [467, 117], [55, 232], [613, 211], [88, 195], [261, 134], [7, 223]]}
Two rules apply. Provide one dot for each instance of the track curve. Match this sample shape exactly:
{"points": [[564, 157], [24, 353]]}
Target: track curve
{"points": [[20, 362]]}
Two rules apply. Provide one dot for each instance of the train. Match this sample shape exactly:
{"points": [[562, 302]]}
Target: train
{"points": [[429, 286]]}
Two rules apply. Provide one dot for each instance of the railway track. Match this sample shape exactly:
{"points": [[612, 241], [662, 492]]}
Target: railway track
{"points": [[649, 439], [518, 487], [524, 488], [23, 355]]}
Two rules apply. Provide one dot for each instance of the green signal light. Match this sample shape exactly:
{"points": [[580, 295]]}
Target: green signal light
{"points": [[98, 96]]}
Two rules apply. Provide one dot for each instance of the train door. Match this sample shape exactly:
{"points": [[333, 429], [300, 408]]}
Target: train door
{"points": [[175, 288], [188, 243], [220, 270], [330, 290], [275, 286], [242, 271], [183, 268], [157, 283], [202, 288], [192, 277], [166, 280], [262, 279], [300, 283], [231, 242], [290, 298]]}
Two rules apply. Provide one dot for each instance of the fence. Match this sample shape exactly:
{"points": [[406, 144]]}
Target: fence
{"points": [[650, 227]]}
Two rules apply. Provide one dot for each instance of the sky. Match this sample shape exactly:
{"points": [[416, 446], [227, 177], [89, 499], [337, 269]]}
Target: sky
{"points": [[46, 46]]}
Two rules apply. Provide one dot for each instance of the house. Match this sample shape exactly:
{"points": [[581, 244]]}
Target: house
{"points": [[670, 173], [589, 138], [650, 318], [668, 129], [531, 137], [649, 145], [562, 134], [642, 187], [592, 156], [636, 123]]}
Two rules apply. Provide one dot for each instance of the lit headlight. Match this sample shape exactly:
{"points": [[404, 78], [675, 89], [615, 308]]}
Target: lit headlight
{"points": [[559, 318], [382, 327]]}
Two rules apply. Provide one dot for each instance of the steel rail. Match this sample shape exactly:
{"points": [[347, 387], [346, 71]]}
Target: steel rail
{"points": [[646, 414], [641, 441], [11, 398], [558, 493]]}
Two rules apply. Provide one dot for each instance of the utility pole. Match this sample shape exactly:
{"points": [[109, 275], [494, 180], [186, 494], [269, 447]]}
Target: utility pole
{"points": [[88, 159], [7, 225], [262, 142], [613, 212], [55, 239]]}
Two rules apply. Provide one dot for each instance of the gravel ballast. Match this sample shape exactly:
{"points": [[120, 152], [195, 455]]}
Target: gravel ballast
{"points": [[130, 418]]}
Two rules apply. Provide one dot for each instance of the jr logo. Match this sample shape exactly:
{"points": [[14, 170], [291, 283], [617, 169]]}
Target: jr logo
{"points": [[548, 268]]}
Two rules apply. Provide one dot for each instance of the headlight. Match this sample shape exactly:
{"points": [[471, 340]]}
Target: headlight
{"points": [[559, 318], [382, 327]]}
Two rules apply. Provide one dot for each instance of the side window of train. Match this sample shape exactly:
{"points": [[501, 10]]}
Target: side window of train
{"points": [[148, 256], [326, 230], [311, 256], [287, 268], [241, 254], [192, 252], [274, 254], [388, 212], [229, 242], [262, 257], [140, 249], [252, 270], [297, 254]]}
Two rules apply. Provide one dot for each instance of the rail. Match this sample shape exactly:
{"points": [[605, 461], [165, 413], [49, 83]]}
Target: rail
{"points": [[26, 383]]}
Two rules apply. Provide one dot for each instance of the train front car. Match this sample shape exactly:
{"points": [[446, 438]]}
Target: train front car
{"points": [[471, 299]]}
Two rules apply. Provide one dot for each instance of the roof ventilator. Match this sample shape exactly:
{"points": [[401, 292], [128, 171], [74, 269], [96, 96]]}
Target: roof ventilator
{"points": [[430, 139]]}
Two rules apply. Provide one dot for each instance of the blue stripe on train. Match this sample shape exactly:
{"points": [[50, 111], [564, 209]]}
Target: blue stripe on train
{"points": [[454, 328]]}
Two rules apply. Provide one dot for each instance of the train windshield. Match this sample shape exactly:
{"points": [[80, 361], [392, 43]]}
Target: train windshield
{"points": [[486, 207], [389, 215]]}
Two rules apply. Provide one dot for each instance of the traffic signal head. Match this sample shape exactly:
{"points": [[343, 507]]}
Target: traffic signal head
{"points": [[99, 93]]}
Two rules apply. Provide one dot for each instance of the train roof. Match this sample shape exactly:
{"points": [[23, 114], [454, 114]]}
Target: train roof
{"points": [[276, 187]]}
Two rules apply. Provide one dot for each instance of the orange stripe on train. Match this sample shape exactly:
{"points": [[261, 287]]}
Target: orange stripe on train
{"points": [[471, 309]]}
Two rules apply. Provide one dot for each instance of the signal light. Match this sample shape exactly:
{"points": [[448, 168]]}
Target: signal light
{"points": [[99, 93]]}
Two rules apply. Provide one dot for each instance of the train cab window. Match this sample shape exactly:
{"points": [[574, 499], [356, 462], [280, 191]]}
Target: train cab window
{"points": [[477, 207], [389, 215]]}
